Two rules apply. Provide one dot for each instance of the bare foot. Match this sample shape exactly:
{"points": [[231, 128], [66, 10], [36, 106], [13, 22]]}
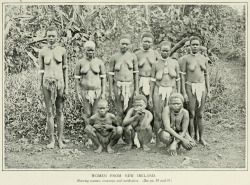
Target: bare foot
{"points": [[110, 150], [145, 148], [160, 145], [197, 137], [128, 147], [99, 149], [61, 145], [89, 143], [51, 145], [152, 141], [173, 147], [204, 143]]}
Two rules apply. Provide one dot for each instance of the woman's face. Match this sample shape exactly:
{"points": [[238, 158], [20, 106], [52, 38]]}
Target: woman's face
{"points": [[165, 51], [195, 44], [90, 52], [147, 43], [175, 104], [51, 37], [124, 45]]}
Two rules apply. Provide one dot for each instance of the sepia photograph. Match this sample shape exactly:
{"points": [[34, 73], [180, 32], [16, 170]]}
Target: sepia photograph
{"points": [[124, 86]]}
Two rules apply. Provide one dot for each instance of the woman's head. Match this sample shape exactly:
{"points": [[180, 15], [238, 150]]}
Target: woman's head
{"points": [[165, 47]]}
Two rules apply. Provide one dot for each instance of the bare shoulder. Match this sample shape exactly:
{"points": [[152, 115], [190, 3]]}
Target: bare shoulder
{"points": [[110, 115], [43, 50], [130, 111], [98, 60], [185, 112], [156, 63], [174, 61], [82, 60], [61, 48], [155, 51], [139, 52], [133, 55], [148, 113], [185, 57], [115, 56], [93, 117]]}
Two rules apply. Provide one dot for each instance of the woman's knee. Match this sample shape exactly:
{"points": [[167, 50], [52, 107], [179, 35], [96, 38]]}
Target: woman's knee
{"points": [[49, 111], [192, 114], [119, 130], [165, 137], [199, 114], [89, 129], [127, 128]]}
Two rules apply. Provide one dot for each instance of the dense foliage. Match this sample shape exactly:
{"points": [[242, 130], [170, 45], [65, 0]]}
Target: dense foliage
{"points": [[221, 28]]}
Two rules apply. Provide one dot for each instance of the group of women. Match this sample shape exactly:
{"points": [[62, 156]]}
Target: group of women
{"points": [[144, 72]]}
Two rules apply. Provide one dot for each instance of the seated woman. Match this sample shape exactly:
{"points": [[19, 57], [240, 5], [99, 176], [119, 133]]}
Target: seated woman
{"points": [[103, 128], [175, 125], [164, 81], [138, 121]]}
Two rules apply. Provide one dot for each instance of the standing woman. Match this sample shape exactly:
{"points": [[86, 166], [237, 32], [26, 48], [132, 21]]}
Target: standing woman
{"points": [[123, 78], [165, 80], [90, 81], [195, 88], [53, 84]]}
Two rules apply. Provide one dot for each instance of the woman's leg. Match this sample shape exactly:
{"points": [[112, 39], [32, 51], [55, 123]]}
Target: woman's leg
{"points": [[50, 117], [191, 109], [60, 118], [158, 107], [200, 120]]}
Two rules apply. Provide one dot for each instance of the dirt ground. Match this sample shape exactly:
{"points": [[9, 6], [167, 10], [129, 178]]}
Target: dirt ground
{"points": [[227, 150]]}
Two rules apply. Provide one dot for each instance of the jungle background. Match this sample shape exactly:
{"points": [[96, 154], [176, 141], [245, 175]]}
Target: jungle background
{"points": [[222, 30]]}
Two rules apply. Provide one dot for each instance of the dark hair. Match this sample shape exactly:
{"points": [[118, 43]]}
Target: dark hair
{"points": [[140, 97], [147, 34], [166, 43], [103, 101], [125, 37], [51, 28], [195, 38], [176, 95]]}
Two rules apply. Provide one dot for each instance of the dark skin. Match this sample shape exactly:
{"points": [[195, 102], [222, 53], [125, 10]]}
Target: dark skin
{"points": [[123, 64], [90, 70], [165, 80], [195, 66], [103, 124], [146, 58], [175, 122], [138, 120], [53, 60]]}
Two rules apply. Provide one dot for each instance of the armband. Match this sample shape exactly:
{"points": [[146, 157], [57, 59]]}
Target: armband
{"points": [[77, 77], [102, 76], [182, 72], [177, 79], [135, 71], [65, 66], [41, 71], [205, 73], [153, 79], [111, 73]]}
